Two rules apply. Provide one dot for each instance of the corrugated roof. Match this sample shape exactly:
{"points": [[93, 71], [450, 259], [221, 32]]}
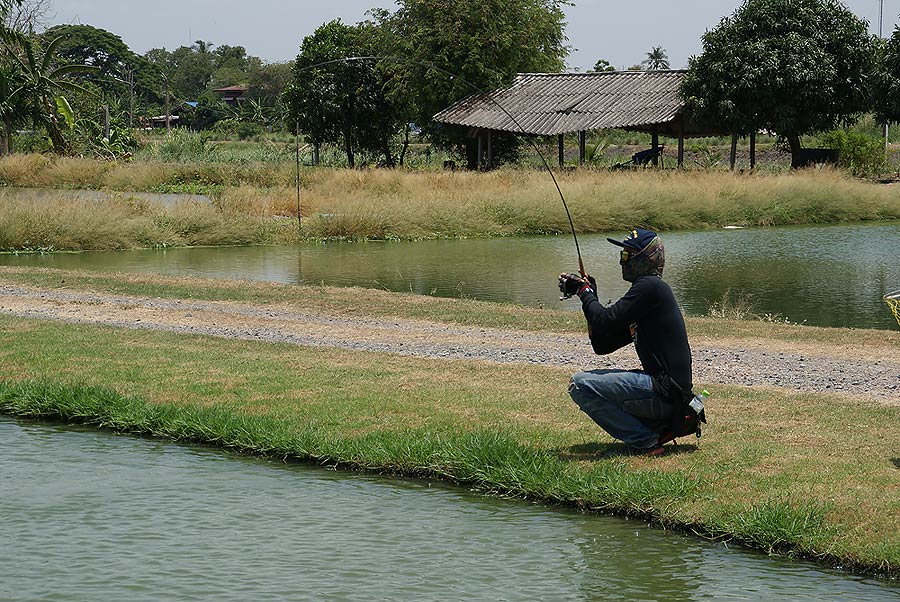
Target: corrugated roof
{"points": [[562, 103]]}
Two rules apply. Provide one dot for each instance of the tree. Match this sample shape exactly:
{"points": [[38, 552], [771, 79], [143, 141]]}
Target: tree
{"points": [[789, 66], [41, 86], [602, 65], [485, 42], [12, 107], [27, 16], [886, 84], [342, 101], [657, 59], [116, 64], [189, 68]]}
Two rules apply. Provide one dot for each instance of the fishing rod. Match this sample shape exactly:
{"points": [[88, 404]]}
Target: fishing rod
{"points": [[489, 96]]}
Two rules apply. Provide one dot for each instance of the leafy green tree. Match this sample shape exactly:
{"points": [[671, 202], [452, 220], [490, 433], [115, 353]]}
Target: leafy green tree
{"points": [[210, 110], [189, 69], [657, 59], [266, 82], [484, 42], [341, 101], [602, 65], [789, 66], [886, 83], [115, 62]]}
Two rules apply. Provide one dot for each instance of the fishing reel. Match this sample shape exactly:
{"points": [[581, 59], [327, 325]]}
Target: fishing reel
{"points": [[565, 286]]}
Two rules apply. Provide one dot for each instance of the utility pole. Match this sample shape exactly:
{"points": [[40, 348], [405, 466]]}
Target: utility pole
{"points": [[106, 121], [131, 98]]}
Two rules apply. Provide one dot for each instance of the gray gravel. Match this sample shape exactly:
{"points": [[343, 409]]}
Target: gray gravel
{"points": [[875, 380]]}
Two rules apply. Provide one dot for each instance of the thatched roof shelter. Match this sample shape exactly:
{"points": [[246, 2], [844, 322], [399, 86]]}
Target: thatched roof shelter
{"points": [[551, 104]]}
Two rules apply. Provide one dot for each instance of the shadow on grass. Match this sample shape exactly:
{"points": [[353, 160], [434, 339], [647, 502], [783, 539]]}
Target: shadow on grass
{"points": [[896, 462], [602, 451]]}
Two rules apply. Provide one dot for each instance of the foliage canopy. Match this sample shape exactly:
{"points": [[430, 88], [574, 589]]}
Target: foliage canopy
{"points": [[789, 66]]}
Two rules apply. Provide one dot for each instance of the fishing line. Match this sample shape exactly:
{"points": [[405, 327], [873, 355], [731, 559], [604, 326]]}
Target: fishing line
{"points": [[489, 96]]}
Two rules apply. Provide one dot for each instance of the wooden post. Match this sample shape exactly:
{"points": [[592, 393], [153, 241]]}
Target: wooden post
{"points": [[562, 152], [490, 149], [680, 149], [655, 145], [480, 151], [733, 158], [168, 126], [297, 163], [752, 150], [581, 141]]}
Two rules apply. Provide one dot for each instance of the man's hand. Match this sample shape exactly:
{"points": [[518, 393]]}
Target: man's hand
{"points": [[572, 284]]}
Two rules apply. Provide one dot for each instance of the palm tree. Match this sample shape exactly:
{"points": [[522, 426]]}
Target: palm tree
{"points": [[657, 59], [41, 88]]}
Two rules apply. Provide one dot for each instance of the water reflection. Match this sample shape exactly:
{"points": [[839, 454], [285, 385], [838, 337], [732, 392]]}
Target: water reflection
{"points": [[92, 516], [823, 276]]}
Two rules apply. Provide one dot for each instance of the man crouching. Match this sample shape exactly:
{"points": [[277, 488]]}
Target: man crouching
{"points": [[642, 408]]}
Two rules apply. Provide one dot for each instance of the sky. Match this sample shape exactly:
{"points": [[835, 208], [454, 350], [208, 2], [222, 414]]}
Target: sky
{"points": [[621, 32]]}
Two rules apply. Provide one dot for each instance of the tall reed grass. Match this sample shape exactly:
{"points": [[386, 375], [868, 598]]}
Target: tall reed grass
{"points": [[65, 223], [397, 204], [385, 204]]}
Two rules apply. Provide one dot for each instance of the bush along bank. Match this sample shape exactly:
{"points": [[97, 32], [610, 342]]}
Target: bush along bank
{"points": [[486, 460]]}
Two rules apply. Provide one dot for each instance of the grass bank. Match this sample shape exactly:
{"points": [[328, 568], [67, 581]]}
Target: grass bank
{"points": [[800, 474], [395, 204]]}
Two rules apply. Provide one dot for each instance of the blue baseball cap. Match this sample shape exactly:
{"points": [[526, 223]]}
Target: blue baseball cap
{"points": [[636, 240]]}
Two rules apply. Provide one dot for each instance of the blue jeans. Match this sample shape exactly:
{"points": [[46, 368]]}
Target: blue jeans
{"points": [[623, 403]]}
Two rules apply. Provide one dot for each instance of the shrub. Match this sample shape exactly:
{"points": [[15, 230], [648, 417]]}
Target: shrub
{"points": [[860, 154]]}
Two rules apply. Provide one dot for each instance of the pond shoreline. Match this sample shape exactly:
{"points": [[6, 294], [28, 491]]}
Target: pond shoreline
{"points": [[799, 473]]}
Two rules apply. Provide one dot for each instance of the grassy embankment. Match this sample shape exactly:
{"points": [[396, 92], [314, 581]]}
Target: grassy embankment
{"points": [[255, 203], [808, 474]]}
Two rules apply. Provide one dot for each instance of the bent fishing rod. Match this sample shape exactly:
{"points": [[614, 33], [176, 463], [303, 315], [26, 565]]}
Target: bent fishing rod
{"points": [[488, 96]]}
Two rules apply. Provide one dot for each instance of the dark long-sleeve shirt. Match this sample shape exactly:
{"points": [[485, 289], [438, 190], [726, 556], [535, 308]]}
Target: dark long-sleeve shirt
{"points": [[649, 316]]}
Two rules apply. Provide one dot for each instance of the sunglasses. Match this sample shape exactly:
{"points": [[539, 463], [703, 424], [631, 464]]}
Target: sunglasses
{"points": [[625, 255]]}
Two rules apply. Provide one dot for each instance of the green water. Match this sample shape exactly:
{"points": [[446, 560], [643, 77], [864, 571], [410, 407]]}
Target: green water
{"points": [[822, 276], [99, 517]]}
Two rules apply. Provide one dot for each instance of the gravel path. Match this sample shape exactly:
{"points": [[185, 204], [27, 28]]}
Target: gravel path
{"points": [[878, 381]]}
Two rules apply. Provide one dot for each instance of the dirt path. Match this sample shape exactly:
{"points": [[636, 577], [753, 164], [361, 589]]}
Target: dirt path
{"points": [[876, 380]]}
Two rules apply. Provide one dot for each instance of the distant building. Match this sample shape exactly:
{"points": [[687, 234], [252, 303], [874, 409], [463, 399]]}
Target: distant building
{"points": [[232, 95], [159, 121]]}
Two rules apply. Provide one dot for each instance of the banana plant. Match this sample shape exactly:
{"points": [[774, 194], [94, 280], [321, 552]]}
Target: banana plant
{"points": [[42, 87]]}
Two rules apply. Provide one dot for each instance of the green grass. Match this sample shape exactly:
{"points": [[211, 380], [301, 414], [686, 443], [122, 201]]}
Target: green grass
{"points": [[799, 474]]}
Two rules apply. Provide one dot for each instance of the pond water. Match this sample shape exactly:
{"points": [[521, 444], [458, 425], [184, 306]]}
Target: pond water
{"points": [[821, 276], [94, 516]]}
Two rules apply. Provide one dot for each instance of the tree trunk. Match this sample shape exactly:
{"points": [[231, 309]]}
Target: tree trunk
{"points": [[348, 149], [794, 143], [6, 144], [388, 157], [405, 146]]}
